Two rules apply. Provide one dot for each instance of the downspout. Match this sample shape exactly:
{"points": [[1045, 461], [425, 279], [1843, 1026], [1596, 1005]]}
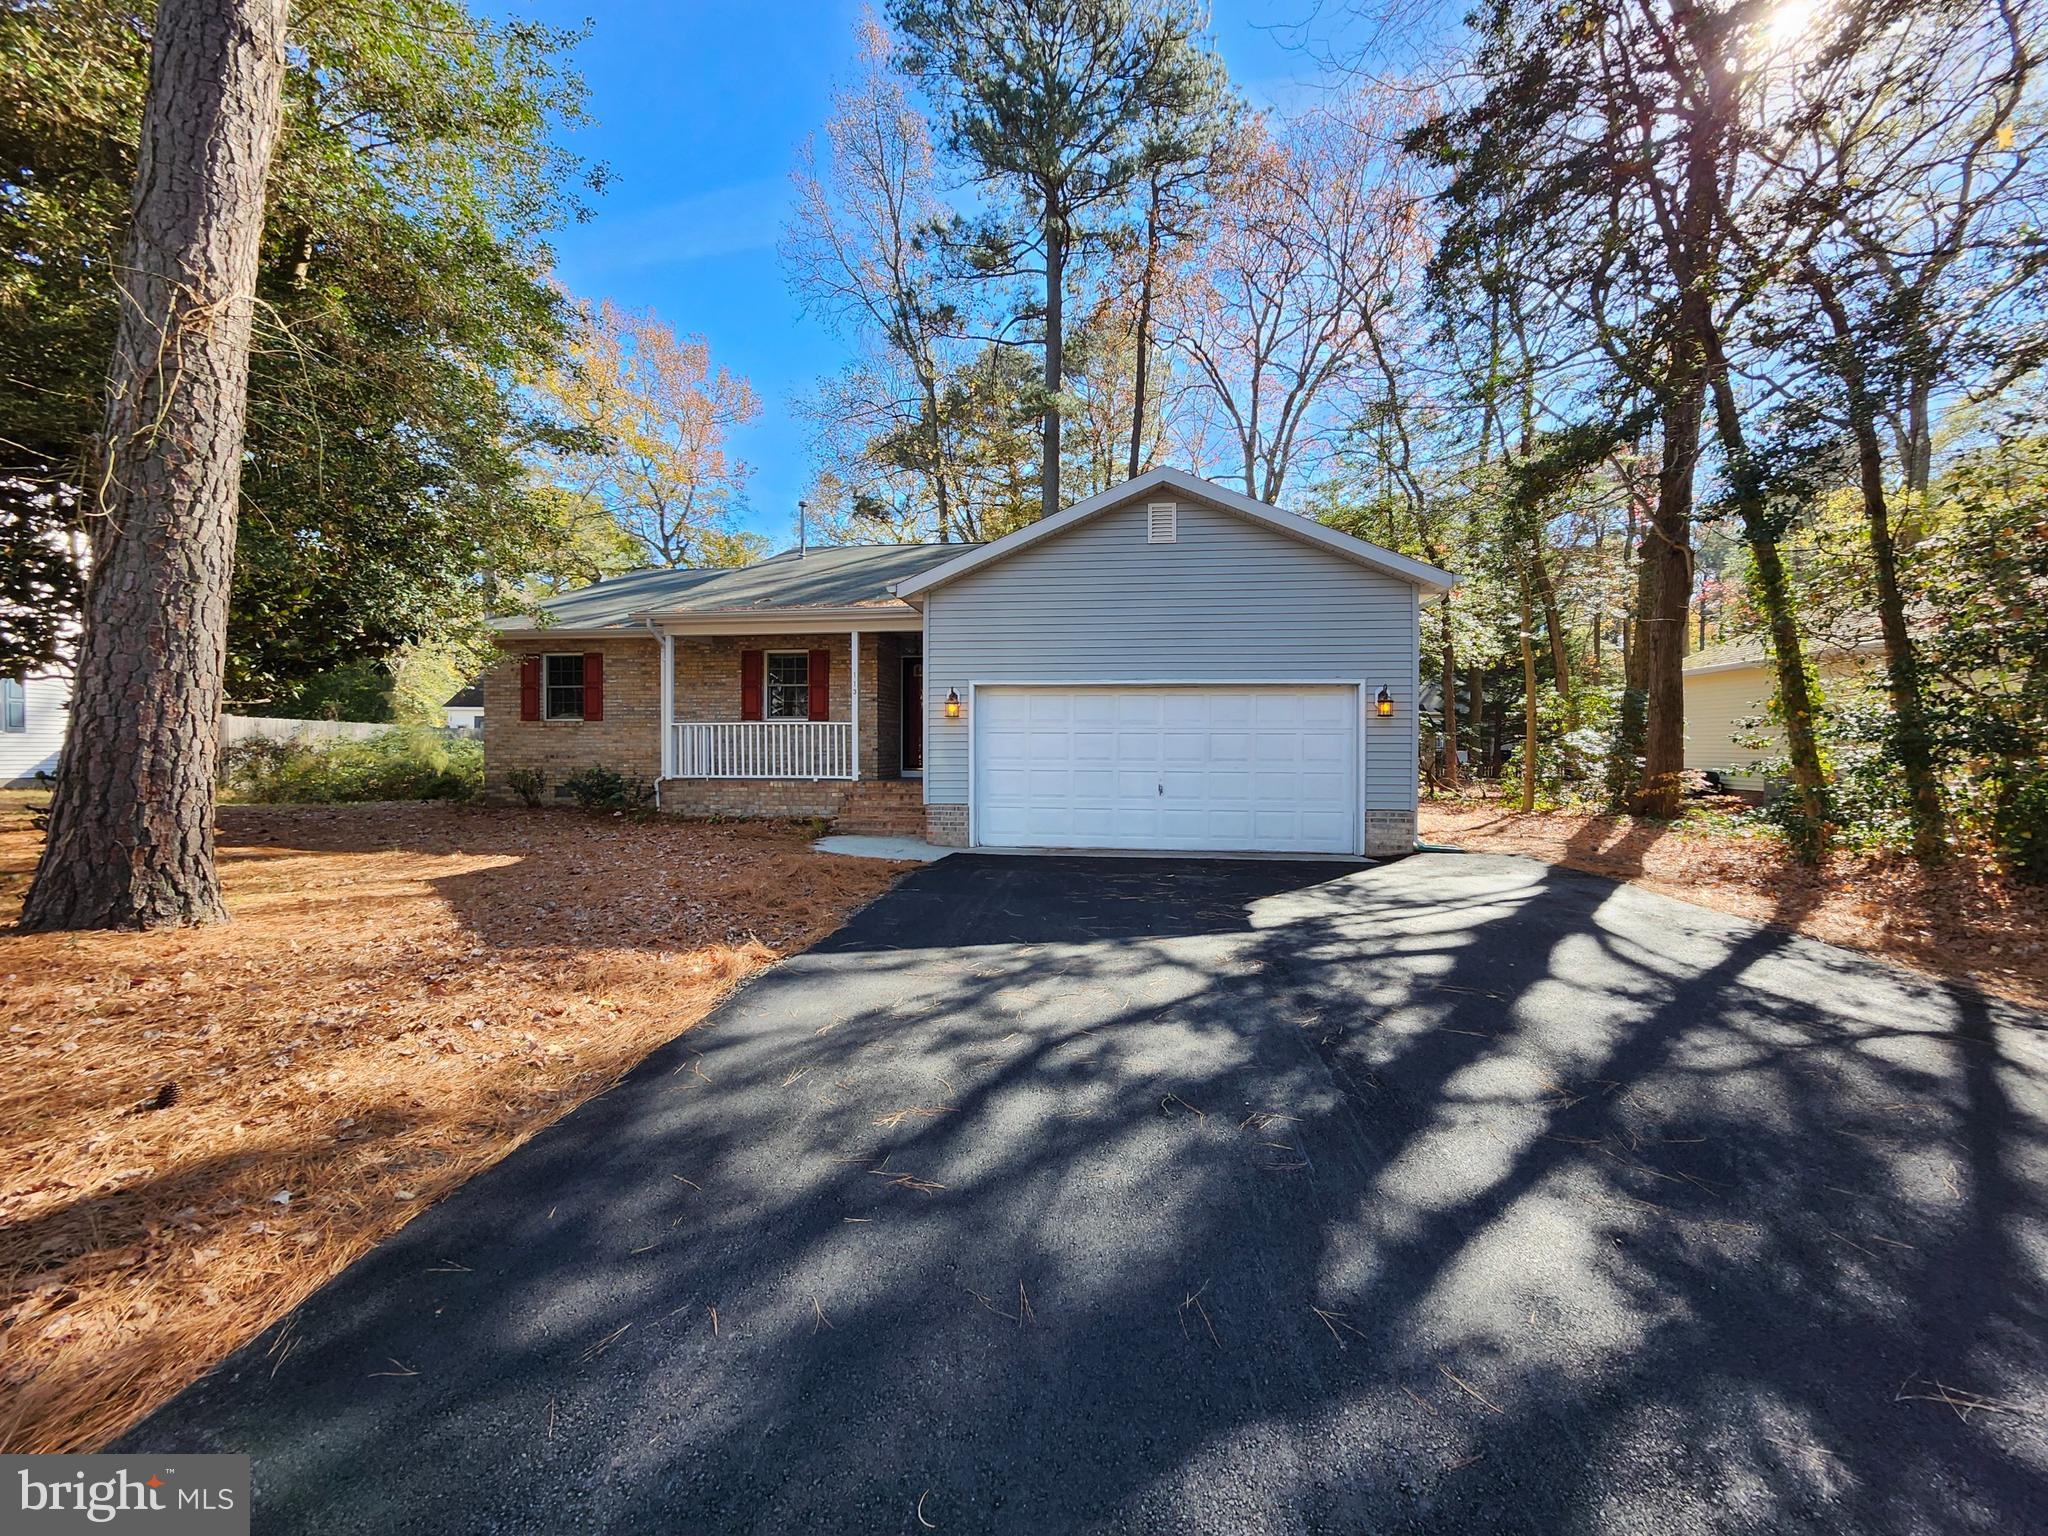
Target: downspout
{"points": [[667, 642]]}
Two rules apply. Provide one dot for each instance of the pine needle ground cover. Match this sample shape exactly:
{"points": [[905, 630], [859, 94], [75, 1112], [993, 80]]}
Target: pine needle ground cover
{"points": [[200, 1127], [1967, 922]]}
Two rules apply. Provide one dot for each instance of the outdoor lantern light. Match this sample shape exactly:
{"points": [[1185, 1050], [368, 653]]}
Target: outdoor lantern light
{"points": [[952, 705], [1385, 703]]}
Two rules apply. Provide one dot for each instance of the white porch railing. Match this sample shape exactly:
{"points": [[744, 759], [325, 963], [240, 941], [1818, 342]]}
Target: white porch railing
{"points": [[766, 749]]}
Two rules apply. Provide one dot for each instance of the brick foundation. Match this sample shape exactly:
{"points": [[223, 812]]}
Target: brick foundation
{"points": [[788, 798], [946, 825], [1388, 834]]}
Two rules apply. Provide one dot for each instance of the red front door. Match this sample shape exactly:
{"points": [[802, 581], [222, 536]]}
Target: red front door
{"points": [[913, 714]]}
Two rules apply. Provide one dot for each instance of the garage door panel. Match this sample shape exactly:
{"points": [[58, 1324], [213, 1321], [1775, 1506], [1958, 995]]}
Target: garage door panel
{"points": [[1230, 746], [1229, 787], [1005, 785], [1093, 746], [1137, 709], [1317, 826], [1325, 747], [1230, 711], [1094, 709], [1328, 711], [1192, 769], [1277, 712]]}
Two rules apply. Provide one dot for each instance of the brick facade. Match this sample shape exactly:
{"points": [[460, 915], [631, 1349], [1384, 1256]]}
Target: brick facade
{"points": [[946, 825], [628, 738], [707, 689], [793, 798], [1389, 834]]}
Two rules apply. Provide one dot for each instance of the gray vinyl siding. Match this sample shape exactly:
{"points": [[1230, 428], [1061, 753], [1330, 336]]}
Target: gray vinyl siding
{"points": [[1227, 601]]}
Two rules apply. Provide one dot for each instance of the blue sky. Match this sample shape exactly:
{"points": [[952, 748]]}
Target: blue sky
{"points": [[699, 106]]}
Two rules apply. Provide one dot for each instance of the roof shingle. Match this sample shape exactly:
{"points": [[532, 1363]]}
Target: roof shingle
{"points": [[836, 576]]}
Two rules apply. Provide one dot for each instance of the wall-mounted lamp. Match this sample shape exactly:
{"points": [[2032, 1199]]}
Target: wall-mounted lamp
{"points": [[952, 705], [1384, 704]]}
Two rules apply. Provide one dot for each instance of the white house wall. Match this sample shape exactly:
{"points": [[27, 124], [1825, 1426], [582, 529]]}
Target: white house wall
{"points": [[24, 754]]}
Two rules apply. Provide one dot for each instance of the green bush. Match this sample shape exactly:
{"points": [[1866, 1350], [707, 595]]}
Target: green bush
{"points": [[2019, 823], [405, 763], [527, 784], [606, 789]]}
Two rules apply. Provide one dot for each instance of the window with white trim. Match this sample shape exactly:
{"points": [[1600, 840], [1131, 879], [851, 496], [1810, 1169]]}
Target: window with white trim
{"points": [[13, 705], [561, 686], [786, 686]]}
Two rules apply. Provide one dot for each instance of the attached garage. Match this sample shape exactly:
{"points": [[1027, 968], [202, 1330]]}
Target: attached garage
{"points": [[1172, 666], [1187, 767]]}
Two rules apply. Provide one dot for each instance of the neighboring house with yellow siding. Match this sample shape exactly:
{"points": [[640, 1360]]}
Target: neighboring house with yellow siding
{"points": [[1728, 693]]}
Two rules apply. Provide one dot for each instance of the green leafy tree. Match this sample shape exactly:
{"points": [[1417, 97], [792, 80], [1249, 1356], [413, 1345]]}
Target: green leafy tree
{"points": [[1982, 576], [1061, 106], [400, 290], [651, 415]]}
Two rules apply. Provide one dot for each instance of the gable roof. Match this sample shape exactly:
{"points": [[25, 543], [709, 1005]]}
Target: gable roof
{"points": [[832, 577], [1181, 483]]}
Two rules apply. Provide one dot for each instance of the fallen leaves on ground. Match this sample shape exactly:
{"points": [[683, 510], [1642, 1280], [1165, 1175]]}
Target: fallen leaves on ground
{"points": [[199, 1127], [1966, 921]]}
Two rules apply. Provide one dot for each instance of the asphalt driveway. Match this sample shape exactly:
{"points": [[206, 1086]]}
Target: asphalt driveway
{"points": [[1454, 1194]]}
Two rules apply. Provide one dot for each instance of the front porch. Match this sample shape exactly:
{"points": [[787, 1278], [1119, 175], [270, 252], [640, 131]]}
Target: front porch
{"points": [[791, 723]]}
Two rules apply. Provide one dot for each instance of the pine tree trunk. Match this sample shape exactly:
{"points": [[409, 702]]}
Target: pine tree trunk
{"points": [[1055, 365], [1795, 693], [1760, 530], [1144, 328], [1529, 717], [1449, 660], [935, 447], [1910, 731], [1475, 716], [1658, 652], [131, 825]]}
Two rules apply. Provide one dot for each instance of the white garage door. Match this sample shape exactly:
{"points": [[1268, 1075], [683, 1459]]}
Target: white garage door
{"points": [[1206, 769]]}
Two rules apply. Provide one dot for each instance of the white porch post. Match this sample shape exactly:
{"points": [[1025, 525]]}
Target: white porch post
{"points": [[668, 705], [855, 635]]}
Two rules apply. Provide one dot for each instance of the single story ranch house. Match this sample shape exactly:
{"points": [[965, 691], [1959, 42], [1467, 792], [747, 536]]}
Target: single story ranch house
{"points": [[1169, 665]]}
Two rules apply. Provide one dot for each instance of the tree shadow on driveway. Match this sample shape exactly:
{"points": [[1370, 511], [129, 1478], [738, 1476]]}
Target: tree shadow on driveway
{"points": [[1070, 1194]]}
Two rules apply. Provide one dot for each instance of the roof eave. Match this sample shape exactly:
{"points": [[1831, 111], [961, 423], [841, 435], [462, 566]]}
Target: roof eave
{"points": [[836, 616]]}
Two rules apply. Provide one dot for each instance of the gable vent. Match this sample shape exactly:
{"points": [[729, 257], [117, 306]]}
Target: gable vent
{"points": [[1159, 523]]}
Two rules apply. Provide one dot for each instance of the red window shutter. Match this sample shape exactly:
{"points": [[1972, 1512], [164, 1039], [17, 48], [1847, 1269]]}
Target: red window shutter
{"points": [[593, 685], [821, 685], [750, 685], [529, 688]]}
